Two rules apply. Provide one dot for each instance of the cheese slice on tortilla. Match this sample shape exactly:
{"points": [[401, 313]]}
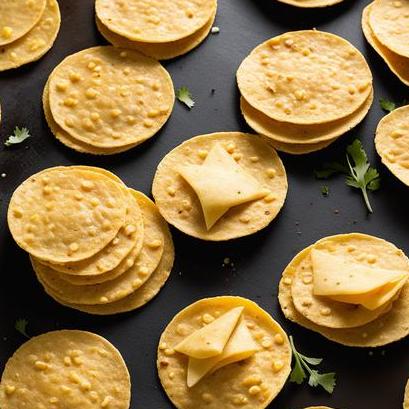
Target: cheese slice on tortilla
{"points": [[240, 346], [220, 184], [211, 340], [333, 275], [374, 299]]}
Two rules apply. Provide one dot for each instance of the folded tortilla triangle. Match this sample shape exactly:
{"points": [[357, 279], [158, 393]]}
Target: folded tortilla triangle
{"points": [[241, 345], [211, 340], [220, 184]]}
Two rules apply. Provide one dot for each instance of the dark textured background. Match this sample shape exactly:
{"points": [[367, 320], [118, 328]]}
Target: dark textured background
{"points": [[366, 379]]}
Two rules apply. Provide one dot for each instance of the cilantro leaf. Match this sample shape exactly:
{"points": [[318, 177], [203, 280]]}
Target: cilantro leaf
{"points": [[327, 380], [361, 174], [358, 171], [19, 135], [21, 327], [387, 105], [183, 95], [325, 190]]}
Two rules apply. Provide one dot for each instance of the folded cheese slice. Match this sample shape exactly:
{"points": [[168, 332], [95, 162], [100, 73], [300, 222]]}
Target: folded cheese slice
{"points": [[211, 340], [220, 184], [241, 345], [354, 283]]}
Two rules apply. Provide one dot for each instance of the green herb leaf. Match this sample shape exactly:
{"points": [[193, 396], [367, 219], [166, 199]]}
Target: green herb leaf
{"points": [[359, 173], [21, 327], [183, 95], [386, 105], [327, 380], [325, 190], [19, 135]]}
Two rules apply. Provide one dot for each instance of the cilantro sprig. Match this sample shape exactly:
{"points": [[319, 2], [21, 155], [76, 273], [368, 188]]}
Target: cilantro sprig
{"points": [[184, 95], [21, 327], [358, 171], [302, 364], [387, 105], [19, 135]]}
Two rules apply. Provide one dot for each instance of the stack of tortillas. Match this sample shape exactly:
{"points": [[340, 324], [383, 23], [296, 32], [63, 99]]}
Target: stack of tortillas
{"points": [[385, 24], [162, 30], [95, 245], [392, 142], [351, 288], [28, 29], [106, 100], [304, 89]]}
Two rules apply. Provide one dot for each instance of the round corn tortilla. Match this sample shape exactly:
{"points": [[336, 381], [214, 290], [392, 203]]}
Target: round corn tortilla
{"points": [[115, 252], [406, 399], [342, 315], [63, 215], [34, 44], [143, 294], [109, 97], [132, 279], [152, 22], [66, 139], [18, 17], [389, 20], [319, 135], [159, 51], [258, 213], [398, 65], [390, 327], [305, 77], [231, 383], [76, 368], [392, 142]]}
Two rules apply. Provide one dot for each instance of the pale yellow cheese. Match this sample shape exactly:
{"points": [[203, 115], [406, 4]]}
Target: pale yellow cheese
{"points": [[241, 345], [220, 184], [334, 275], [211, 340], [374, 299]]}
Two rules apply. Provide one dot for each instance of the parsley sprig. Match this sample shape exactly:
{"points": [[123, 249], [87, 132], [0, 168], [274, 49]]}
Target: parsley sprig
{"points": [[387, 105], [21, 327], [19, 135], [358, 171], [184, 95], [302, 364]]}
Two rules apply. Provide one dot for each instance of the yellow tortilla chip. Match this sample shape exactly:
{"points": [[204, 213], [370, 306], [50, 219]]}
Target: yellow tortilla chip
{"points": [[160, 51], [392, 142], [254, 382], [220, 184], [389, 22], [406, 399], [61, 368], [210, 340], [18, 17], [146, 292], [398, 65], [180, 205], [113, 290], [305, 138], [305, 77], [150, 22], [109, 97], [388, 328], [37, 42], [65, 215], [65, 138]]}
